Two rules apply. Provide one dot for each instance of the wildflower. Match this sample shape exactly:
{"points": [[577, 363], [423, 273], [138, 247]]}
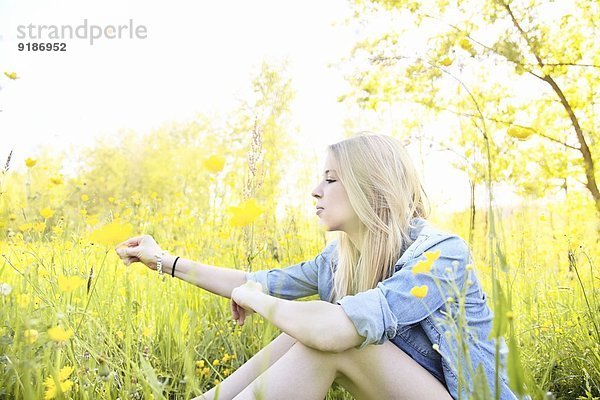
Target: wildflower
{"points": [[520, 132], [57, 180], [246, 213], [216, 362], [5, 289], [200, 364], [11, 75], [30, 162], [39, 227], [111, 234], [226, 372], [465, 44], [63, 379], [46, 213], [111, 199], [85, 197], [147, 332], [214, 163], [70, 283], [30, 335], [424, 266], [26, 227], [446, 61], [58, 334], [92, 220], [205, 371], [225, 358], [419, 291]]}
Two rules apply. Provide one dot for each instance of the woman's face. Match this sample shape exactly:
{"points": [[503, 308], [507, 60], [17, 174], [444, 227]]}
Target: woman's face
{"points": [[337, 213]]}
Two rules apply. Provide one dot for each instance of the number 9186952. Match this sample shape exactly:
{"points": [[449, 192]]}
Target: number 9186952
{"points": [[42, 47]]}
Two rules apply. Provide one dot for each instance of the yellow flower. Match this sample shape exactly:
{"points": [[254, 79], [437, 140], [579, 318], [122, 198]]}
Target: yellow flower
{"points": [[58, 334], [111, 234], [85, 197], [111, 199], [205, 371], [446, 61], [147, 332], [419, 291], [26, 227], [30, 162], [424, 266], [216, 362], [465, 44], [46, 213], [226, 372], [30, 335], [70, 283], [65, 384], [200, 364], [92, 220], [520, 132], [246, 213], [225, 358], [65, 372], [57, 180], [39, 227], [214, 163], [11, 75]]}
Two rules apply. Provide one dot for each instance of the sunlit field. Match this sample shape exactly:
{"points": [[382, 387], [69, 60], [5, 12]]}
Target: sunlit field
{"points": [[76, 319], [502, 93]]}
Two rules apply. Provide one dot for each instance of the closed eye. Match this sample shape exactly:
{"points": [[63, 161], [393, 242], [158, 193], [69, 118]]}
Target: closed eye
{"points": [[329, 180]]}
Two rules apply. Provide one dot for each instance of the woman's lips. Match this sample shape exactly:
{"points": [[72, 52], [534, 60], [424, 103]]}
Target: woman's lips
{"points": [[319, 210]]}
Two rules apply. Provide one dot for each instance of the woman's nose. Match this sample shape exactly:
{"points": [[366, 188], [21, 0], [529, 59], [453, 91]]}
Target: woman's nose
{"points": [[316, 193]]}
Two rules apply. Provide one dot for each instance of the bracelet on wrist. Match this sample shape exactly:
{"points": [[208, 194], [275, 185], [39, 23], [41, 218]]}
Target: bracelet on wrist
{"points": [[159, 265]]}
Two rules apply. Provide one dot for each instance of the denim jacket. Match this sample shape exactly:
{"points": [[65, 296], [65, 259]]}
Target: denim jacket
{"points": [[424, 328]]}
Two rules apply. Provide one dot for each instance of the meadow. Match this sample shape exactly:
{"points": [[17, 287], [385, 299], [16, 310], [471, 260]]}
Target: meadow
{"points": [[77, 323]]}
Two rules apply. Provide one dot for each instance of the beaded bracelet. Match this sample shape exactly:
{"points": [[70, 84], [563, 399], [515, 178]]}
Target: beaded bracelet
{"points": [[159, 263]]}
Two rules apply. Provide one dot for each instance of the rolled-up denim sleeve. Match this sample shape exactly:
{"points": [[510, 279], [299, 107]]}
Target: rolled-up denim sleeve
{"points": [[293, 282], [378, 313]]}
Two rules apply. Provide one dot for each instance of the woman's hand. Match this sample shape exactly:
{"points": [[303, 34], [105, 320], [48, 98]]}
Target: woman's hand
{"points": [[139, 249], [241, 299]]}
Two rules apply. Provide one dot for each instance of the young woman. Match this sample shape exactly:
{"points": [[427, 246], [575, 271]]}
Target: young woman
{"points": [[388, 322]]}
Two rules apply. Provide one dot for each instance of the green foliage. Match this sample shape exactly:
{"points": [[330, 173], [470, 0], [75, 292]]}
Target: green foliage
{"points": [[491, 65]]}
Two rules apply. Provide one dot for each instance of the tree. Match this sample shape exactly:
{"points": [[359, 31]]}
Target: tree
{"points": [[522, 75]]}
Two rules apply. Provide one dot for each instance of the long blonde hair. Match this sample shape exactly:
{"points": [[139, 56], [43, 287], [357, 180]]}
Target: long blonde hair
{"points": [[385, 190]]}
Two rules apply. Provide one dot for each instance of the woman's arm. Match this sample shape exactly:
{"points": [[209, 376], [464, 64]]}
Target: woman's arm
{"points": [[217, 280]]}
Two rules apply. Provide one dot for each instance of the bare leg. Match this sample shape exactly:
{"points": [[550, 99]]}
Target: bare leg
{"points": [[303, 373], [375, 372], [248, 372]]}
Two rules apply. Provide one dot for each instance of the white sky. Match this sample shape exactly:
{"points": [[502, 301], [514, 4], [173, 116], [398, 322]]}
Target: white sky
{"points": [[199, 57]]}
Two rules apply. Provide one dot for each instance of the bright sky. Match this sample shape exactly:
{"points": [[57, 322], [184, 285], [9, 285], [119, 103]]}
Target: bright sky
{"points": [[198, 57]]}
